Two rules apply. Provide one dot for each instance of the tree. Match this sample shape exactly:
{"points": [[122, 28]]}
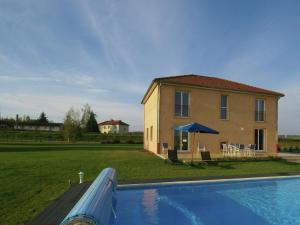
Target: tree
{"points": [[26, 118], [72, 130], [85, 116], [43, 118], [88, 121], [92, 125]]}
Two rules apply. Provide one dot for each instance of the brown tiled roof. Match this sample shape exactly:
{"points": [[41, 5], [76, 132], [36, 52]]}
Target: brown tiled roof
{"points": [[214, 82], [113, 122]]}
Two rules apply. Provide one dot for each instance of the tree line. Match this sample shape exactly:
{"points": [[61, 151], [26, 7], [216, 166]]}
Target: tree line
{"points": [[24, 120], [75, 122]]}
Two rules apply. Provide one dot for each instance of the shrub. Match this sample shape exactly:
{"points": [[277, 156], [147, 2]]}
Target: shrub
{"points": [[116, 141]]}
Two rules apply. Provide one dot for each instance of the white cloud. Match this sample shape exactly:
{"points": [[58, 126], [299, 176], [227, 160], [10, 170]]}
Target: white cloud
{"points": [[13, 78], [78, 79], [96, 91]]}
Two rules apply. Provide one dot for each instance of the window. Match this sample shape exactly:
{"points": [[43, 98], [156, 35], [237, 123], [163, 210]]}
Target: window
{"points": [[224, 107], [147, 134], [181, 140], [151, 133], [260, 110], [259, 137], [182, 104]]}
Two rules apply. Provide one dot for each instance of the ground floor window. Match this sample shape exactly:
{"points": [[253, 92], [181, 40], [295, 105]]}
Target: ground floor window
{"points": [[147, 134], [181, 140], [151, 133], [259, 137]]}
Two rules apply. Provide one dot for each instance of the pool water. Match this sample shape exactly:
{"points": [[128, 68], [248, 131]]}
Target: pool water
{"points": [[275, 201]]}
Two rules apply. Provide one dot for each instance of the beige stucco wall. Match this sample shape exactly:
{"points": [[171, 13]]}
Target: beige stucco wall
{"points": [[151, 119], [117, 129], [205, 109]]}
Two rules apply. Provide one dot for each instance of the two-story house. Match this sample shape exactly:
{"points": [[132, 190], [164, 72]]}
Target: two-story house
{"points": [[241, 113], [113, 127]]}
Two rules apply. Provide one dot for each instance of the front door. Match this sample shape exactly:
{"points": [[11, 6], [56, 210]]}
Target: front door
{"points": [[259, 137]]}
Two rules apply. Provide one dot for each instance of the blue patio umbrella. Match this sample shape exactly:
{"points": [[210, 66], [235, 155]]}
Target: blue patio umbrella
{"points": [[196, 128]]}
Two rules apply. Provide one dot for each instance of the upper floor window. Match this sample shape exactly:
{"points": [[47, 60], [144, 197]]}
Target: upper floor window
{"points": [[260, 110], [182, 104], [224, 107]]}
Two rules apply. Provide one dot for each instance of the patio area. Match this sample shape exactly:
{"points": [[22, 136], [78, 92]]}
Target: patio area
{"points": [[228, 151], [190, 147]]}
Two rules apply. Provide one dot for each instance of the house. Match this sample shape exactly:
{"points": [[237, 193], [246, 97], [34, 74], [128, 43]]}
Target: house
{"points": [[39, 126], [113, 126], [241, 113]]}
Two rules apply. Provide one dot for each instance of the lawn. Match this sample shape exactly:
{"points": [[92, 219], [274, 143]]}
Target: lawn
{"points": [[33, 175]]}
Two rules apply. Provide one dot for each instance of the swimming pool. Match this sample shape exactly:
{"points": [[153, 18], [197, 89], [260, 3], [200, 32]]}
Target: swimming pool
{"points": [[251, 202]]}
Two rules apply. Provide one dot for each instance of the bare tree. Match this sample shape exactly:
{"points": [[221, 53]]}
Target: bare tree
{"points": [[72, 130]]}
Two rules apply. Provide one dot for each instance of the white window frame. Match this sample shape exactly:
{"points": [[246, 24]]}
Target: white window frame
{"points": [[257, 119], [221, 107], [181, 105], [264, 139]]}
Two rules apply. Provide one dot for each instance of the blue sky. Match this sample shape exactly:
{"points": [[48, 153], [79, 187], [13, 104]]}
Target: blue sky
{"points": [[62, 53]]}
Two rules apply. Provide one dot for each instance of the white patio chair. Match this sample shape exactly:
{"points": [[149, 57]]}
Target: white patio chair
{"points": [[224, 150], [242, 149], [230, 150], [252, 149], [237, 151]]}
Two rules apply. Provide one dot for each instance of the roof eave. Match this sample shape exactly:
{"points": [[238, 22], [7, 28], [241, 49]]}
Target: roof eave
{"points": [[278, 94], [150, 89]]}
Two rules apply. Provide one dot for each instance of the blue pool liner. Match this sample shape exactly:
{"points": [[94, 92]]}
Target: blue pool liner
{"points": [[96, 206]]}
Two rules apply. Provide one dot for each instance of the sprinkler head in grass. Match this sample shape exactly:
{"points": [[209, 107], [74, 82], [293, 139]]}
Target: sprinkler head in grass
{"points": [[81, 174]]}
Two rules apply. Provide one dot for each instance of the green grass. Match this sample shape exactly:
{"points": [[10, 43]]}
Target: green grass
{"points": [[33, 175]]}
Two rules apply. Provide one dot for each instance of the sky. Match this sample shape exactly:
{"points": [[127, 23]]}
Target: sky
{"points": [[65, 53]]}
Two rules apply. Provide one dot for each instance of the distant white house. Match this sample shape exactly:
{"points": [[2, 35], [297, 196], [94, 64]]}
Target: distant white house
{"points": [[40, 127], [113, 127]]}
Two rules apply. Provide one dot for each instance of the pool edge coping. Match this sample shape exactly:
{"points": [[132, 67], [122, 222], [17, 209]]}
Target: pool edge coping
{"points": [[204, 181]]}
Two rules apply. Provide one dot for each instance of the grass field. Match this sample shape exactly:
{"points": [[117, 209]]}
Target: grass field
{"points": [[33, 175]]}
